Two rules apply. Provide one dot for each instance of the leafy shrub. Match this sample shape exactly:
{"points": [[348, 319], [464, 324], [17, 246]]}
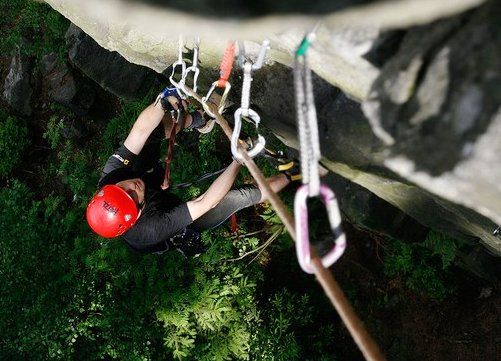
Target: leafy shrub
{"points": [[13, 140], [418, 264], [33, 20], [118, 127], [443, 246], [53, 132]]}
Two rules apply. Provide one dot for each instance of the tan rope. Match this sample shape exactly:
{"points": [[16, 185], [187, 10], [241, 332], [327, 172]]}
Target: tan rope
{"points": [[355, 326]]}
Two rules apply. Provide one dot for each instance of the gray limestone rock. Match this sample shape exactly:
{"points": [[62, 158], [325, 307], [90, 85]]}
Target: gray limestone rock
{"points": [[59, 79], [436, 104], [108, 69], [426, 138], [17, 85]]}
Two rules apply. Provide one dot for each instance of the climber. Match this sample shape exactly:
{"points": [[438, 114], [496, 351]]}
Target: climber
{"points": [[131, 204]]}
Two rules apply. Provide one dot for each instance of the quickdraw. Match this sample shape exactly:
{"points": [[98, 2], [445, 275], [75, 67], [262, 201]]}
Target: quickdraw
{"points": [[179, 62], [222, 82], [310, 157], [193, 68], [244, 110], [368, 347]]}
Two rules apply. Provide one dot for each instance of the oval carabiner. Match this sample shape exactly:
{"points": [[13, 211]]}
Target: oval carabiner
{"points": [[205, 99], [265, 45], [258, 146], [178, 62], [302, 232], [182, 82], [193, 68]]}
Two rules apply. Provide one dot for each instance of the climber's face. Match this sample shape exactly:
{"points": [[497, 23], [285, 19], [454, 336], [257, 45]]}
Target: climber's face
{"points": [[135, 188]]}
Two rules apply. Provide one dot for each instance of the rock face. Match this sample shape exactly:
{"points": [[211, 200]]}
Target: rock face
{"points": [[407, 94], [437, 105], [108, 69], [17, 86], [60, 81]]}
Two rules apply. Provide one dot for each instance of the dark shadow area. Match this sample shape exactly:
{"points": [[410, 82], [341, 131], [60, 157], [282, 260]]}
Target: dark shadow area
{"points": [[249, 9]]}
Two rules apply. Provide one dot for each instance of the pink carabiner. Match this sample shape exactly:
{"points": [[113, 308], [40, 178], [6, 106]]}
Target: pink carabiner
{"points": [[302, 232]]}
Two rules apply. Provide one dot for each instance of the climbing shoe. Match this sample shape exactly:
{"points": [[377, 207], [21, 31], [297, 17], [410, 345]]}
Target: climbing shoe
{"points": [[291, 169]]}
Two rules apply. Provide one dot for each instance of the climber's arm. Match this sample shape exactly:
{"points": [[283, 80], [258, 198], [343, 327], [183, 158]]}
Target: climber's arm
{"points": [[147, 121], [215, 193]]}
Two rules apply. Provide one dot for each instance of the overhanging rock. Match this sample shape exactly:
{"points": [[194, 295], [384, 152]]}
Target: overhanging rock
{"points": [[408, 91]]}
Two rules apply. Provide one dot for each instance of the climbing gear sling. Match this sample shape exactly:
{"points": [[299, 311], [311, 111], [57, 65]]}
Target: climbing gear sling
{"points": [[310, 157], [222, 82]]}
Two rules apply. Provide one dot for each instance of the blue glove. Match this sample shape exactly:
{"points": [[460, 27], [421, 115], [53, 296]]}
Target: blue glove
{"points": [[170, 92]]}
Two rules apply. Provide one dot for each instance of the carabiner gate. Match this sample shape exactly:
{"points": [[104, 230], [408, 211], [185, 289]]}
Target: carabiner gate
{"points": [[205, 99], [301, 219], [258, 146], [193, 68], [178, 62], [260, 58]]}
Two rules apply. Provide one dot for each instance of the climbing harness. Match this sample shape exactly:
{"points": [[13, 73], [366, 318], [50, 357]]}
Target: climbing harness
{"points": [[244, 110], [192, 69], [310, 157], [178, 63], [222, 82]]}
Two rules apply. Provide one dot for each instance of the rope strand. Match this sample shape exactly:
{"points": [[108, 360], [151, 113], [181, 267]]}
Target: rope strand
{"points": [[355, 326]]}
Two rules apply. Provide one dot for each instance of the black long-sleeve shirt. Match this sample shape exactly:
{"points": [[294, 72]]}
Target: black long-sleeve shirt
{"points": [[164, 219]]}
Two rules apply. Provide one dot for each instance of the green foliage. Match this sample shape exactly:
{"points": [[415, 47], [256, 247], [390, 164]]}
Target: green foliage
{"points": [[418, 265], [43, 27], [118, 127], [13, 140], [443, 246], [211, 318], [290, 330], [53, 132], [77, 170]]}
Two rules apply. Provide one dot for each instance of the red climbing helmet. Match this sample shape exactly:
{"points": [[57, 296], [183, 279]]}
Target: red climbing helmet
{"points": [[111, 212]]}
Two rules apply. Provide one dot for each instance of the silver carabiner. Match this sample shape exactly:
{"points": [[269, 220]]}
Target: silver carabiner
{"points": [[235, 137], [178, 62], [302, 232], [193, 68], [260, 58], [205, 99]]}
